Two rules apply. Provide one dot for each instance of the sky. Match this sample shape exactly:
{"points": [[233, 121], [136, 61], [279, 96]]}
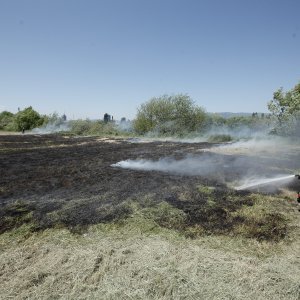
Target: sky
{"points": [[85, 58]]}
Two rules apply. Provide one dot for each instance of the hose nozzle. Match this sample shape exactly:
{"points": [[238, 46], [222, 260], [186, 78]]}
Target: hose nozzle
{"points": [[298, 176]]}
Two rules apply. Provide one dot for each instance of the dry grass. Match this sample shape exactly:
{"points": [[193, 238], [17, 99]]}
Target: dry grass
{"points": [[140, 260]]}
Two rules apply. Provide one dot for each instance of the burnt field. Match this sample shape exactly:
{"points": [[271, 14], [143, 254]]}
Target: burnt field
{"points": [[65, 181]]}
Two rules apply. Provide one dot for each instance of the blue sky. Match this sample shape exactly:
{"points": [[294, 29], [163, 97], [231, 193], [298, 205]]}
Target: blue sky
{"points": [[88, 57]]}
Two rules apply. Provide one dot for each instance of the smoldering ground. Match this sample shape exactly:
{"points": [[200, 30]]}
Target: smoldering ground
{"points": [[148, 251], [55, 179], [266, 162]]}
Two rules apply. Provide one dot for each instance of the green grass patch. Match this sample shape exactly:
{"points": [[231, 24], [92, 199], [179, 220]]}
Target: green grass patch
{"points": [[219, 138]]}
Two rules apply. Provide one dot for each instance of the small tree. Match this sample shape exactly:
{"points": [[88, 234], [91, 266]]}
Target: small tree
{"points": [[7, 120], [285, 108], [169, 115], [28, 119]]}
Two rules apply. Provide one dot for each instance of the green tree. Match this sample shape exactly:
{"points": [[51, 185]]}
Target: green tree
{"points": [[6, 120], [28, 119], [169, 115], [285, 108]]}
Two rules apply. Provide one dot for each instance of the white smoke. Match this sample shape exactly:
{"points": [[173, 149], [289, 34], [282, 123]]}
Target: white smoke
{"points": [[241, 164], [124, 125], [188, 166], [193, 165], [270, 146], [52, 128], [209, 166], [240, 133]]}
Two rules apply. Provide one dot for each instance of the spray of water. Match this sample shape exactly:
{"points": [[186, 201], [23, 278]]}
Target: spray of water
{"points": [[243, 165], [209, 165], [265, 181]]}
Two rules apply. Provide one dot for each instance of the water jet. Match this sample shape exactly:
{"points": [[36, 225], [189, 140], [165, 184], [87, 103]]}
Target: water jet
{"points": [[265, 181]]}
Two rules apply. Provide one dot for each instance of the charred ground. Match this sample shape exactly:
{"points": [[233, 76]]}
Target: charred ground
{"points": [[56, 180]]}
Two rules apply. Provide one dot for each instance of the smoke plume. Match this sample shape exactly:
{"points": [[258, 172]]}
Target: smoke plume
{"points": [[241, 165], [52, 128]]}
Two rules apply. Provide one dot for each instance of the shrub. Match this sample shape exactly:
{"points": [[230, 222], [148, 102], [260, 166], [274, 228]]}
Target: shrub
{"points": [[28, 119], [7, 121], [169, 115], [88, 127]]}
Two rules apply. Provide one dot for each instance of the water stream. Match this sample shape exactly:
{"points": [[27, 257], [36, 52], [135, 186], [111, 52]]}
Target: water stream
{"points": [[264, 181]]}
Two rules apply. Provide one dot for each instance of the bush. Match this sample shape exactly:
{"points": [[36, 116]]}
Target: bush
{"points": [[28, 119], [88, 127], [169, 115], [7, 121], [285, 109]]}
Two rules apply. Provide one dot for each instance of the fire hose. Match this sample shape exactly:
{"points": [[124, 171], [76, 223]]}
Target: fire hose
{"points": [[298, 194]]}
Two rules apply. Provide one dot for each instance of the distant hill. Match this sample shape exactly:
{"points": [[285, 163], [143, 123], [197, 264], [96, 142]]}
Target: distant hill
{"points": [[227, 115]]}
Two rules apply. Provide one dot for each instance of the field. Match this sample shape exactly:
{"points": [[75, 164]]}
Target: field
{"points": [[75, 226]]}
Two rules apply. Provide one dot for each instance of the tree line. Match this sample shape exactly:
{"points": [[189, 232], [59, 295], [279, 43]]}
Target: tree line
{"points": [[25, 119], [177, 115]]}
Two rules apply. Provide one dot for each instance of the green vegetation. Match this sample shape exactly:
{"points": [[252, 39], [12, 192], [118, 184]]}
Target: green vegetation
{"points": [[179, 116], [176, 115], [169, 115], [7, 121], [101, 128], [285, 109], [54, 119], [26, 119]]}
